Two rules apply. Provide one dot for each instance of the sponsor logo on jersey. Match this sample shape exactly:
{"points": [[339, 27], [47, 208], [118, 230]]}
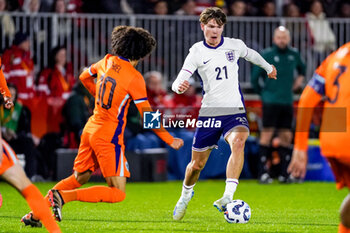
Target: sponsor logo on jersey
{"points": [[205, 62]]}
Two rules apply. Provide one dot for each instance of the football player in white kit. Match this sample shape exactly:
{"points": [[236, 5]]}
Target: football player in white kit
{"points": [[215, 62]]}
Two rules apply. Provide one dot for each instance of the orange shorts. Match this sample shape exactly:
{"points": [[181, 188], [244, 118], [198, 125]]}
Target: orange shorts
{"points": [[341, 171], [95, 152], [9, 158]]}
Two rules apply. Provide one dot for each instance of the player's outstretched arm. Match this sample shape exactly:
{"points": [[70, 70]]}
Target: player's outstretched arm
{"points": [[297, 165], [181, 84], [255, 58], [273, 74], [175, 143], [308, 100]]}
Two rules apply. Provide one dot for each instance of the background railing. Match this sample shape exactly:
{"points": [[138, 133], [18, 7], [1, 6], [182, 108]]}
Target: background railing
{"points": [[87, 38]]}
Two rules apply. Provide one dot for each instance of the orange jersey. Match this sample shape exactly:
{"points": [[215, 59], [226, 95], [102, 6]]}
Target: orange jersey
{"points": [[332, 82], [9, 157], [4, 90], [118, 83]]}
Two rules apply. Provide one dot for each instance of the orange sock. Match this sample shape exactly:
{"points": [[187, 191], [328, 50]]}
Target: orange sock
{"points": [[36, 202], [66, 184], [343, 229], [93, 194]]}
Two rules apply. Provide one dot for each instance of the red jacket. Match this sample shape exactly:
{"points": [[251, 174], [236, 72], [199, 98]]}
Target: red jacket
{"points": [[55, 87], [19, 70], [52, 82]]}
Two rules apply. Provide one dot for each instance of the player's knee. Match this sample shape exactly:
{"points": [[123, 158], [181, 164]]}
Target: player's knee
{"points": [[117, 195], [238, 144], [83, 178], [198, 166]]}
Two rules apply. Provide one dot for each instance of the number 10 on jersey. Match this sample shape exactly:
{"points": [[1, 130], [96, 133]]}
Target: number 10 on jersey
{"points": [[104, 87]]}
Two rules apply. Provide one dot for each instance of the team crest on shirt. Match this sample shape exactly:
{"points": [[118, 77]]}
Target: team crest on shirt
{"points": [[230, 55]]}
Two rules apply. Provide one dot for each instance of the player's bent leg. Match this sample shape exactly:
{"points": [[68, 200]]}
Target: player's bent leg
{"points": [[72, 182], [92, 194], [17, 178], [194, 168], [198, 161], [236, 139], [118, 182], [345, 215]]}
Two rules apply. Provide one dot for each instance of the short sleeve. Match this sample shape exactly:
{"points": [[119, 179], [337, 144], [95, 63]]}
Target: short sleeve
{"points": [[93, 70], [317, 82], [137, 89]]}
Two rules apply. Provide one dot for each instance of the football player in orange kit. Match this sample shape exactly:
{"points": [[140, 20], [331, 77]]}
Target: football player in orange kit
{"points": [[332, 81], [12, 172], [102, 142]]}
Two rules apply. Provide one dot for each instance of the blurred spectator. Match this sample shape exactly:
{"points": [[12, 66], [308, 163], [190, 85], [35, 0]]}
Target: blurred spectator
{"points": [[321, 32], [157, 96], [7, 30], [277, 99], [31, 6], [252, 8], [19, 68], [13, 5], [237, 8], [160, 8], [46, 5], [36, 27], [61, 27], [16, 130], [222, 5], [202, 4], [344, 10], [74, 6], [56, 83], [268, 9], [106, 6], [331, 7], [291, 10], [187, 8], [59, 7], [75, 114]]}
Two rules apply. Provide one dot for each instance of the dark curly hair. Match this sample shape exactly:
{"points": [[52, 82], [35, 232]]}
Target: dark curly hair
{"points": [[132, 43]]}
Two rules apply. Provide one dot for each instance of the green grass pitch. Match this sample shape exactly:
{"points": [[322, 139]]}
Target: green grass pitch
{"points": [[307, 207]]}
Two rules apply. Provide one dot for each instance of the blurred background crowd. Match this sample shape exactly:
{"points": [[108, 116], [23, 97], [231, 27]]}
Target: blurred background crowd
{"points": [[40, 54], [270, 8]]}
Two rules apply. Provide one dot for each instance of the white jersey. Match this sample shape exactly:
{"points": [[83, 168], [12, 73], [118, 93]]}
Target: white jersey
{"points": [[217, 68]]}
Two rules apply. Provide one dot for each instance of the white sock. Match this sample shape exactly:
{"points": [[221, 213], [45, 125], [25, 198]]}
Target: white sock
{"points": [[187, 190], [231, 186]]}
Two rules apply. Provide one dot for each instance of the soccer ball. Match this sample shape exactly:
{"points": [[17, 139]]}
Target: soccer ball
{"points": [[237, 211]]}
